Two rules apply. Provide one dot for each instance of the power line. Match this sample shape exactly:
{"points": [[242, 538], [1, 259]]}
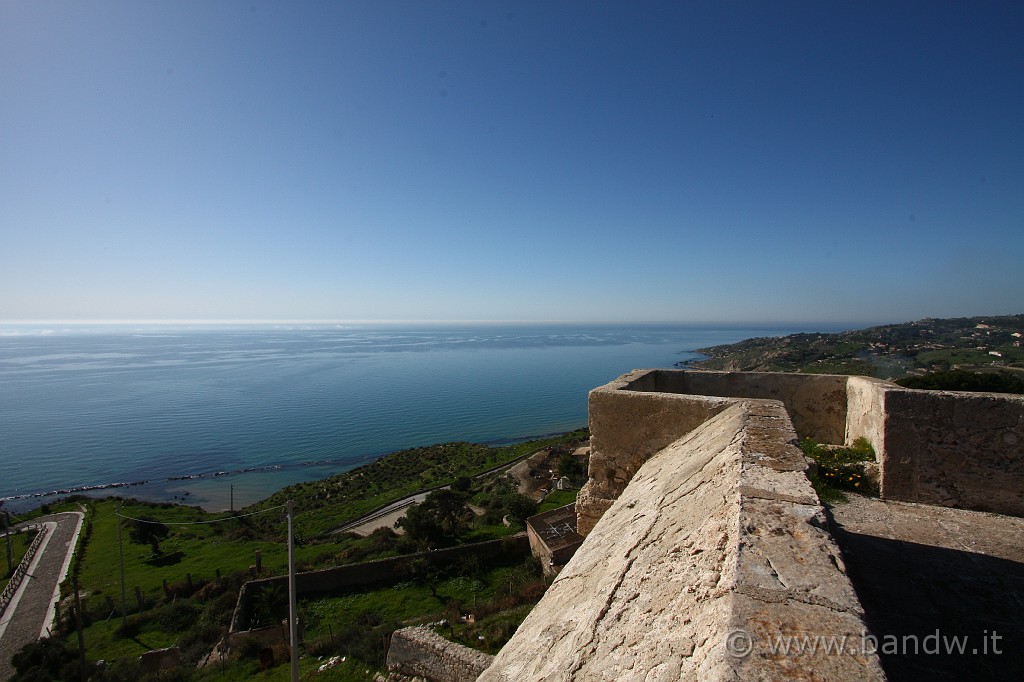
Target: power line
{"points": [[198, 523]]}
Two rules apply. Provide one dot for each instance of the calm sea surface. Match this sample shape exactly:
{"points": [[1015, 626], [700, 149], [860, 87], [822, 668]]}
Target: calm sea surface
{"points": [[85, 406]]}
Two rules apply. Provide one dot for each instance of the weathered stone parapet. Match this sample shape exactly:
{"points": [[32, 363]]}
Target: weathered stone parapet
{"points": [[629, 422], [865, 411], [715, 549], [947, 448], [419, 652], [938, 447], [816, 403], [707, 554], [954, 449]]}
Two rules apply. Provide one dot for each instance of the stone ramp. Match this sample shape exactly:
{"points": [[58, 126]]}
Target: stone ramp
{"points": [[922, 571], [715, 548]]}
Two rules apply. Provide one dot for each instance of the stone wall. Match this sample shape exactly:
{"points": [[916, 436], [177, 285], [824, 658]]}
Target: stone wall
{"points": [[369, 572], [419, 652], [816, 403], [716, 546], [947, 448], [954, 449], [938, 447], [705, 543], [629, 422], [865, 411]]}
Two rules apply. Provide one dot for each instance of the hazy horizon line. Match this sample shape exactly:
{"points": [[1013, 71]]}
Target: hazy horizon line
{"points": [[258, 322]]}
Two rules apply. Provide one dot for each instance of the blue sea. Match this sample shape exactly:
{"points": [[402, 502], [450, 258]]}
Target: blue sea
{"points": [[217, 415]]}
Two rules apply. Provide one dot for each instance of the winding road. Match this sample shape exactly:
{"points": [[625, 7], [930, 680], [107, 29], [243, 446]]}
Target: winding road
{"points": [[31, 612]]}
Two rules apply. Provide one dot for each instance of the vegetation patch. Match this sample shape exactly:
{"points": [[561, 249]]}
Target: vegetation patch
{"points": [[557, 499], [349, 495], [839, 469], [960, 380], [889, 351], [183, 569]]}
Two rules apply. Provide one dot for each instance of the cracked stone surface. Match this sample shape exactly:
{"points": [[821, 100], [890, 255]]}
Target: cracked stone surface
{"points": [[715, 534]]}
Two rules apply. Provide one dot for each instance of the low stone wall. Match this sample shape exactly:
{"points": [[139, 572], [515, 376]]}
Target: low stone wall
{"points": [[369, 572], [158, 660], [419, 652], [715, 549], [816, 403], [947, 448]]}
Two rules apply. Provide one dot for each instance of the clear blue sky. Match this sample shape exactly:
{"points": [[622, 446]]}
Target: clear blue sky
{"points": [[620, 161]]}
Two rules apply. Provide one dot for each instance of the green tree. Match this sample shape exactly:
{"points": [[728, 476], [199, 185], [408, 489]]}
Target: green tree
{"points": [[519, 507], [269, 605], [148, 531], [440, 516], [570, 466]]}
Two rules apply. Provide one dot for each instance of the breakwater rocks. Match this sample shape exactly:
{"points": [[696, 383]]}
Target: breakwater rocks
{"points": [[72, 491]]}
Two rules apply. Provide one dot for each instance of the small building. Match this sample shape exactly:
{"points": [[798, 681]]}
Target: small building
{"points": [[553, 537]]}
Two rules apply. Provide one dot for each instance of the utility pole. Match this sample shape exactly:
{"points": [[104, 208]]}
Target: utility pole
{"points": [[232, 498], [7, 532], [120, 553], [81, 638], [293, 633]]}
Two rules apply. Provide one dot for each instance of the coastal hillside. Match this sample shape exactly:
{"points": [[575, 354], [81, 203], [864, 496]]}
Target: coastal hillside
{"points": [[988, 344]]}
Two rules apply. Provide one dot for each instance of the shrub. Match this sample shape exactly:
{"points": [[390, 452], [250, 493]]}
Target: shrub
{"points": [[198, 642], [840, 468], [176, 617], [960, 380]]}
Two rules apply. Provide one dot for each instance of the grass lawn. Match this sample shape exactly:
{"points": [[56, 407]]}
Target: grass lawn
{"points": [[196, 552], [556, 499]]}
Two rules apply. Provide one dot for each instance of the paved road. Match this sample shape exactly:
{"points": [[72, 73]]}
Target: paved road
{"points": [[31, 613], [385, 517], [382, 518]]}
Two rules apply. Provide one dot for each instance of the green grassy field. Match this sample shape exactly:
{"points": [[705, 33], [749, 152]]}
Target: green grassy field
{"points": [[189, 587], [556, 499]]}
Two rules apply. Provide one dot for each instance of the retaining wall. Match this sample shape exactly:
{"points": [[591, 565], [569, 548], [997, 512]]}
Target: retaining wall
{"points": [[419, 652], [369, 572]]}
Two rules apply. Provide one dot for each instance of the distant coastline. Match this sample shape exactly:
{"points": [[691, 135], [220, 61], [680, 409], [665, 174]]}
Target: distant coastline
{"points": [[168, 489], [196, 415]]}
